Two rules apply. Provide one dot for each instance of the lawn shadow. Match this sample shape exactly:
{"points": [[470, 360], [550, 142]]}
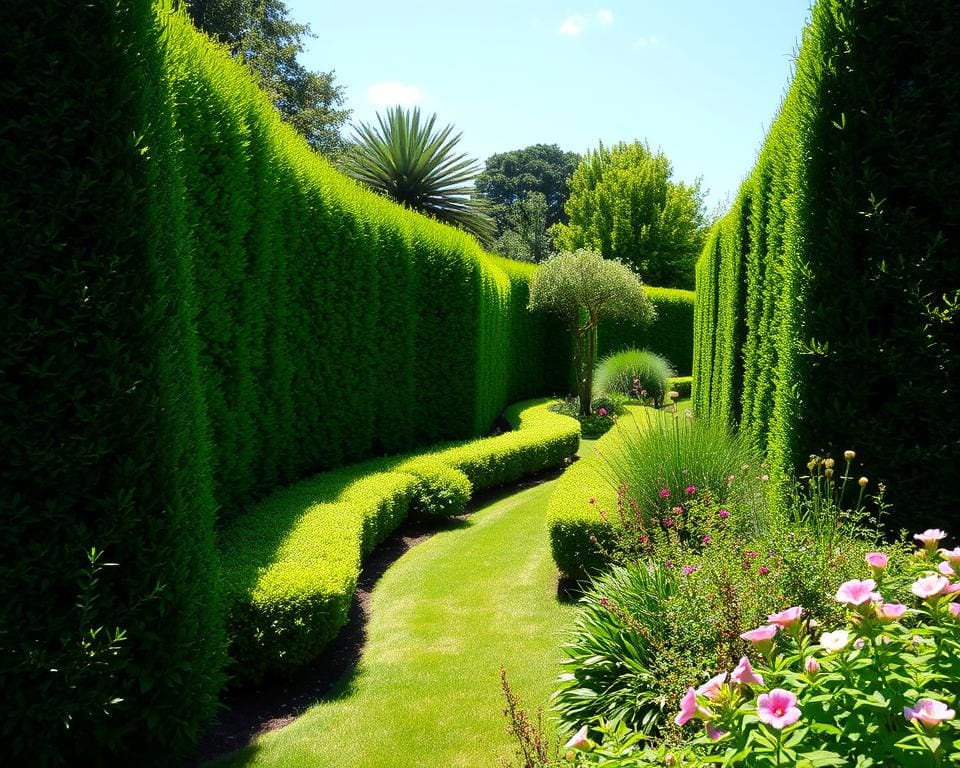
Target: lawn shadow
{"points": [[249, 712]]}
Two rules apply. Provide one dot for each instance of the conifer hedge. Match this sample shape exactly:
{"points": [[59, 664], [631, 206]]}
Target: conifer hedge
{"points": [[827, 298], [669, 335], [197, 309]]}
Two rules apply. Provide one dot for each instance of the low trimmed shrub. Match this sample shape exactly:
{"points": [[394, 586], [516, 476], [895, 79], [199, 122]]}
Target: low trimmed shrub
{"points": [[290, 565], [632, 372], [682, 385]]}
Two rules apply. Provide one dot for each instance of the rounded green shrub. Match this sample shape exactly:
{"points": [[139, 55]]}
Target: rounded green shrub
{"points": [[632, 371], [441, 490]]}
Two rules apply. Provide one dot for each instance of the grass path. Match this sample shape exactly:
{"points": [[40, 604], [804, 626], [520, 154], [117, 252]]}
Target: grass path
{"points": [[443, 619]]}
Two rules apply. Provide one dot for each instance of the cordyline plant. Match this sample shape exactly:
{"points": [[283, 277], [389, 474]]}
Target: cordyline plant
{"points": [[880, 691], [583, 288]]}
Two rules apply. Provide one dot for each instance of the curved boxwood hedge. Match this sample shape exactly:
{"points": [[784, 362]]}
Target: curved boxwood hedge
{"points": [[290, 565], [571, 517]]}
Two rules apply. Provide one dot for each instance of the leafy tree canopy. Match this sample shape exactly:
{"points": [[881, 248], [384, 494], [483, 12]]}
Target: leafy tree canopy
{"points": [[525, 236], [407, 160], [262, 35], [583, 288], [510, 176], [624, 204]]}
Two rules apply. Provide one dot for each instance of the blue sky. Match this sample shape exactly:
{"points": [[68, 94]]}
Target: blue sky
{"points": [[699, 79]]}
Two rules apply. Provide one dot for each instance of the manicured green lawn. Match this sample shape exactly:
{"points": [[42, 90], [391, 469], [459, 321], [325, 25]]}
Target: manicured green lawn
{"points": [[444, 618]]}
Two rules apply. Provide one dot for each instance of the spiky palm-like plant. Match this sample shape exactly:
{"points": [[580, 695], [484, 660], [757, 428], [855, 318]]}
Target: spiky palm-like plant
{"points": [[411, 163]]}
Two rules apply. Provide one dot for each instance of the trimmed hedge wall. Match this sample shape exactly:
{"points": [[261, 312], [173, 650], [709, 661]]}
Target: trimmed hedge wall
{"points": [[103, 438], [670, 335], [826, 313], [197, 310], [291, 564]]}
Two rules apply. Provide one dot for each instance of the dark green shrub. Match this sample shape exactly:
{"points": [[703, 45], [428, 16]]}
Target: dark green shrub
{"points": [[103, 435], [633, 372], [837, 269], [615, 650]]}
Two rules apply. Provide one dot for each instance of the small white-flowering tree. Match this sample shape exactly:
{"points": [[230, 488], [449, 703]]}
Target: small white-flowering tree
{"points": [[583, 288]]}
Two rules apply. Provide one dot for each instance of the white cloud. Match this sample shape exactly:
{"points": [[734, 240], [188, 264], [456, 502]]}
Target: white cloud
{"points": [[390, 94], [646, 42], [605, 17], [573, 26]]}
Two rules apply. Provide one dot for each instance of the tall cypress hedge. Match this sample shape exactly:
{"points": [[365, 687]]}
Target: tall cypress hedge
{"points": [[197, 309], [827, 298], [104, 437]]}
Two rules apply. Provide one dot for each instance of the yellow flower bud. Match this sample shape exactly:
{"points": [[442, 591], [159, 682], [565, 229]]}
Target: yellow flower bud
{"points": [[829, 463], [849, 455], [829, 473], [863, 482]]}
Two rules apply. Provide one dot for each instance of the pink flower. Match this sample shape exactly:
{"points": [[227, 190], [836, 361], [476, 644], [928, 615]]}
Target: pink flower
{"points": [[730, 478], [812, 666], [744, 674], [602, 411], [724, 514], [877, 560], [857, 592], [955, 610], [578, 740], [778, 709], [835, 641], [691, 489], [667, 522], [664, 493], [929, 712], [689, 709], [714, 733], [786, 618], [762, 637], [890, 611], [764, 570], [951, 555], [688, 569], [678, 510], [930, 538], [712, 686], [706, 539], [945, 569], [929, 586]]}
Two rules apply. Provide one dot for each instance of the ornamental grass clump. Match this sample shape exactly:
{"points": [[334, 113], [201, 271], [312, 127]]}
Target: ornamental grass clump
{"points": [[882, 688], [637, 373]]}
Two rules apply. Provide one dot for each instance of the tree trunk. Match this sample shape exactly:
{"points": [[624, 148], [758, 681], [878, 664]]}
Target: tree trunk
{"points": [[585, 379]]}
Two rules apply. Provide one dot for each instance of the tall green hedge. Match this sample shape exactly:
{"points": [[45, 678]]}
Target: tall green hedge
{"points": [[827, 298], [197, 309], [670, 335], [104, 439]]}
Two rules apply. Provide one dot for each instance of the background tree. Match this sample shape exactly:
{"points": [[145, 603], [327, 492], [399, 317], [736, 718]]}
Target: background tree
{"points": [[262, 34], [525, 236], [584, 288], [624, 204], [510, 176], [409, 162]]}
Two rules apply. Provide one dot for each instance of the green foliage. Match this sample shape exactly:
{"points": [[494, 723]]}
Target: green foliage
{"points": [[290, 565], [582, 288], [837, 269], [604, 411], [632, 372], [614, 650], [682, 385], [414, 165], [670, 334], [624, 205], [525, 236], [261, 35], [508, 178], [110, 644]]}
